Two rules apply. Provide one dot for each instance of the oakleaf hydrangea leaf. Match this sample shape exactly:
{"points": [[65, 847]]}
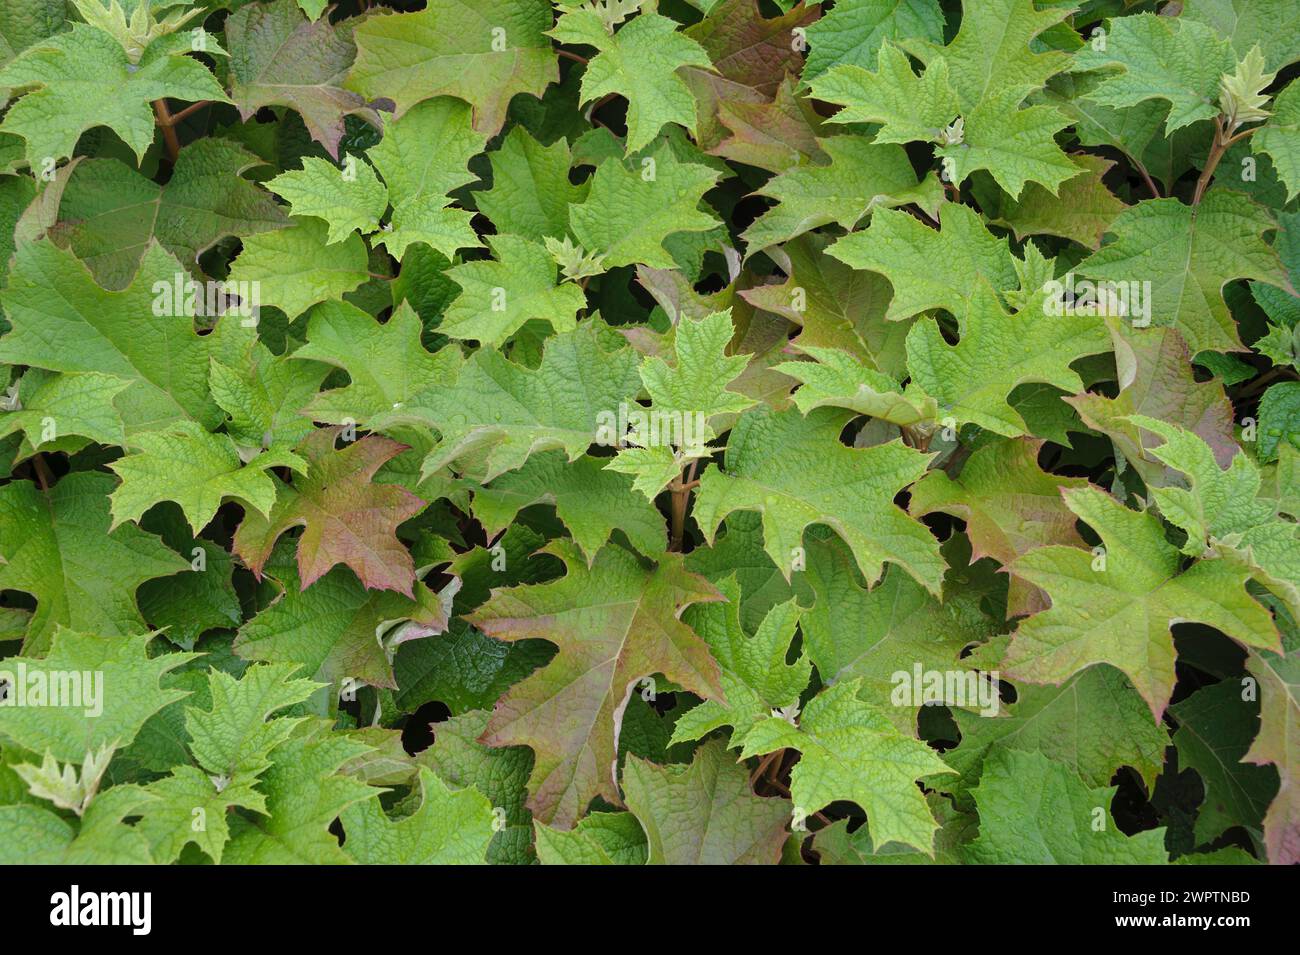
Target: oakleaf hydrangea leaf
{"points": [[807, 481], [904, 251], [1034, 811], [305, 794], [531, 192], [281, 58], [853, 31], [484, 55], [1222, 508], [851, 751], [860, 176], [499, 295], [347, 199], [704, 813], [82, 78], [639, 62], [629, 214], [448, 828], [119, 690], [755, 676], [298, 267], [57, 546], [346, 518], [1188, 254], [998, 351], [590, 499], [615, 624], [1155, 57], [1117, 607], [196, 469], [418, 178], [336, 629], [108, 212]]}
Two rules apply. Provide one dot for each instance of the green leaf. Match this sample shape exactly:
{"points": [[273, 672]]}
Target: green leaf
{"points": [[591, 500], [448, 828], [31, 835], [62, 320], [108, 212], [1279, 684], [628, 215], [1270, 24], [615, 623], [756, 679], [500, 774], [1216, 726], [1034, 811], [904, 251], [493, 413], [849, 750], [483, 55], [704, 813], [52, 406], [386, 363], [839, 380], [1147, 57], [601, 838], [297, 267], [419, 178], [794, 471], [114, 691], [1009, 504], [639, 62], [1279, 419], [1083, 209], [531, 192], [82, 78], [1188, 254], [231, 742], [1157, 381], [322, 190], [335, 629], [853, 31], [997, 352], [304, 795], [907, 107], [1280, 138], [58, 547], [1222, 509], [1117, 607], [861, 176], [1118, 730], [499, 295], [196, 469]]}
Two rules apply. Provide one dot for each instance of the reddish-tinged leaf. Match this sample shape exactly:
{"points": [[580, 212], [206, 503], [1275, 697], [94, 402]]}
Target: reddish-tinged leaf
{"points": [[347, 519], [615, 623]]}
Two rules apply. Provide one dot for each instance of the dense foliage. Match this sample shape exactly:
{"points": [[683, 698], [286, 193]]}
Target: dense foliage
{"points": [[694, 432]]}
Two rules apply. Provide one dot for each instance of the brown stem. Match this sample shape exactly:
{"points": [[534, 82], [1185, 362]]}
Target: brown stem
{"points": [[42, 471], [1146, 176], [188, 111], [784, 790], [1264, 380], [572, 56], [1222, 143], [168, 126], [916, 438], [681, 493], [762, 766]]}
